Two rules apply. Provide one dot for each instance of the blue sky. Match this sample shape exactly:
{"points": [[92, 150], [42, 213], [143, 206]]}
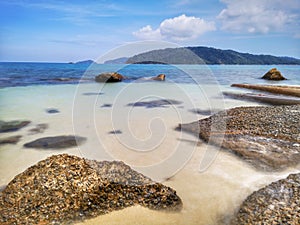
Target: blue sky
{"points": [[63, 31]]}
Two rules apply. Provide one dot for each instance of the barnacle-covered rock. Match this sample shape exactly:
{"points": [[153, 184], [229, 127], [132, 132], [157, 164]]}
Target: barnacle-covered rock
{"points": [[277, 203], [65, 188], [267, 137]]}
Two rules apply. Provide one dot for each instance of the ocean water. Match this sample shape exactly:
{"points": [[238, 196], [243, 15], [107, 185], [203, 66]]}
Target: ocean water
{"points": [[211, 182], [14, 74]]}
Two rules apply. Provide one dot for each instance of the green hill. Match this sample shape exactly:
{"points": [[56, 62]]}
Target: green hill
{"points": [[206, 55]]}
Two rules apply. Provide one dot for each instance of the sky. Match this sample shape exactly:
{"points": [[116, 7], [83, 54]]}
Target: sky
{"points": [[65, 31]]}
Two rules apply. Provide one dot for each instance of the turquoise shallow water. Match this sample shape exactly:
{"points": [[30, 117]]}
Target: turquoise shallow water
{"points": [[147, 140]]}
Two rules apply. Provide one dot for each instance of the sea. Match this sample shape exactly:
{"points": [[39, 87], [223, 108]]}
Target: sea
{"points": [[135, 121]]}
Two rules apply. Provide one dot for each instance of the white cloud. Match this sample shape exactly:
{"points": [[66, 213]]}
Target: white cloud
{"points": [[179, 28], [257, 16], [147, 33]]}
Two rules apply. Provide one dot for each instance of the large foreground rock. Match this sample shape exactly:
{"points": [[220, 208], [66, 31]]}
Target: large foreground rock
{"points": [[277, 203], [63, 141], [109, 77], [268, 137], [10, 126], [64, 188], [273, 74]]}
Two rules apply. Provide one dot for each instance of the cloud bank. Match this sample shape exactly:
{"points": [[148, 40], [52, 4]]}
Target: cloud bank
{"points": [[257, 16]]}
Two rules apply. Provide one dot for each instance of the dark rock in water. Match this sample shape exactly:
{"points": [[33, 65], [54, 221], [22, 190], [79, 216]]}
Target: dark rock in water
{"points": [[160, 77], [276, 89], [115, 132], [264, 98], [202, 111], [40, 128], [106, 106], [109, 77], [56, 142], [268, 137], [93, 93], [10, 140], [277, 203], [11, 126], [52, 111], [273, 74], [63, 189], [155, 103]]}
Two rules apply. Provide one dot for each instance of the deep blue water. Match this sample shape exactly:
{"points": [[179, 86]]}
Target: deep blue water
{"points": [[23, 74]]}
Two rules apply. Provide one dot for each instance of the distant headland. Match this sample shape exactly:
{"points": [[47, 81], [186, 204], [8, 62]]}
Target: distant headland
{"points": [[203, 55]]}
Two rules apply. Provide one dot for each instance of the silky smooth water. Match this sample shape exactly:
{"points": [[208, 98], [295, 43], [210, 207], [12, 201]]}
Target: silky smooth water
{"points": [[211, 182]]}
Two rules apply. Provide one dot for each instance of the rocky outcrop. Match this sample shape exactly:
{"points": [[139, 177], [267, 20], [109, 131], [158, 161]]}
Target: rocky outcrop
{"points": [[264, 98], [277, 203], [267, 137], [65, 189], [273, 74], [10, 140], [11, 126], [56, 142], [160, 77], [109, 77], [276, 89]]}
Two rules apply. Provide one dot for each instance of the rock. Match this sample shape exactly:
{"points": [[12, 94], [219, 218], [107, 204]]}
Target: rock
{"points": [[106, 105], [40, 128], [10, 140], [160, 77], [93, 93], [264, 98], [267, 137], [115, 132], [11, 126], [276, 89], [52, 111], [64, 189], [56, 142], [273, 74], [277, 203], [109, 77], [155, 103]]}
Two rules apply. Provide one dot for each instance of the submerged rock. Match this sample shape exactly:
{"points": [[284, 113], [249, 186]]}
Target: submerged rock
{"points": [[277, 203], [276, 89], [65, 188], [268, 137], [10, 140], [155, 103], [52, 111], [109, 77], [273, 74], [14, 125], [64, 141], [40, 128]]}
